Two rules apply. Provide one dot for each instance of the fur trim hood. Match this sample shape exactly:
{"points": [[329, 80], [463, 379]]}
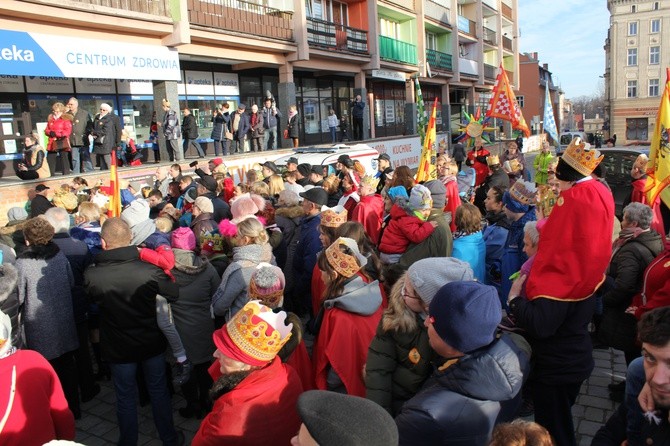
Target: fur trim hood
{"points": [[290, 212], [40, 252]]}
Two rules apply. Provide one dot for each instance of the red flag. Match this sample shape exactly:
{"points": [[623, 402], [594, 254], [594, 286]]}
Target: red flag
{"points": [[658, 168], [427, 164], [114, 207], [503, 104]]}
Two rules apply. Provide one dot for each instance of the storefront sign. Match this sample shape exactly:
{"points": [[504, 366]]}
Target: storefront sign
{"points": [[407, 151], [226, 84], [389, 74], [135, 87], [47, 84], [32, 54], [199, 83], [11, 84], [98, 86]]}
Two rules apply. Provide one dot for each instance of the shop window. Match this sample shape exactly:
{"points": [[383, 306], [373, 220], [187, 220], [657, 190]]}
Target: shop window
{"points": [[636, 129]]}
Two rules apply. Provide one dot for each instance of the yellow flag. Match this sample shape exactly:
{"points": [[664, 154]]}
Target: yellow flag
{"points": [[427, 164], [658, 168]]}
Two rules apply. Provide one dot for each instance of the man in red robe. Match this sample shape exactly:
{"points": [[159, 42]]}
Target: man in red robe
{"points": [[251, 385], [370, 209], [477, 160]]}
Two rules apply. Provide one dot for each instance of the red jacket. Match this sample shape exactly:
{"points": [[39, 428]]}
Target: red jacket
{"points": [[655, 285], [62, 127], [39, 412], [260, 410], [369, 212], [477, 159], [402, 230], [453, 201]]}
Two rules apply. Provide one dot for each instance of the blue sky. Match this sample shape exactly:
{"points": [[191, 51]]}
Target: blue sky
{"points": [[569, 35]]}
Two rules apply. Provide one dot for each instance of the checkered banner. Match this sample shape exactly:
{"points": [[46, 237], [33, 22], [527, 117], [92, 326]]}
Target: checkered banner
{"points": [[421, 115], [548, 121], [503, 104]]}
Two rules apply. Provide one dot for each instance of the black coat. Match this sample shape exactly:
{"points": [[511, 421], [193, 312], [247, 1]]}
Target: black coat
{"points": [[293, 127], [125, 288], [80, 258], [221, 208], [189, 128]]}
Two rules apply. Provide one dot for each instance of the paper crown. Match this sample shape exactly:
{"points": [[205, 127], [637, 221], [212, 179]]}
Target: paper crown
{"points": [[333, 217], [371, 181], [524, 192], [254, 335], [581, 157], [492, 160], [345, 264], [546, 199]]}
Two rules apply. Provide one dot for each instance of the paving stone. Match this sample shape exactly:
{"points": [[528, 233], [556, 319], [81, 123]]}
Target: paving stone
{"points": [[97, 441], [602, 354], [602, 392], [588, 427], [594, 414], [585, 440], [594, 401], [102, 428], [578, 412], [605, 364], [100, 408], [599, 381], [87, 421]]}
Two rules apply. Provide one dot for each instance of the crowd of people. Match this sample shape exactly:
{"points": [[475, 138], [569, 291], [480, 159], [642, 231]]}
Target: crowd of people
{"points": [[347, 307]]}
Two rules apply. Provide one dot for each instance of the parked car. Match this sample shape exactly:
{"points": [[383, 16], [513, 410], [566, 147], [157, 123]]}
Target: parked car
{"points": [[327, 156], [619, 162], [566, 137]]}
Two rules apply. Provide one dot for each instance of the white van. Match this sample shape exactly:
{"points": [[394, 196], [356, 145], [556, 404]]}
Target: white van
{"points": [[567, 137], [327, 156]]}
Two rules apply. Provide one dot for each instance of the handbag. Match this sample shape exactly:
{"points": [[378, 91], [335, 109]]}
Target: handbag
{"points": [[228, 135], [618, 329], [285, 133], [62, 144]]}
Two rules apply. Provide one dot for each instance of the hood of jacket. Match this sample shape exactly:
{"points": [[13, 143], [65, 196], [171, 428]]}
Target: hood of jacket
{"points": [[291, 212], [40, 252], [9, 276], [497, 218], [651, 241], [493, 373], [188, 263], [253, 253], [358, 297]]}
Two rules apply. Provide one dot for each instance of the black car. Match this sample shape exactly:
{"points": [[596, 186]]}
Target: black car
{"points": [[619, 162]]}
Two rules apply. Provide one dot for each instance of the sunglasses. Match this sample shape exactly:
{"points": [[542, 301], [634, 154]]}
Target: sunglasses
{"points": [[404, 293]]}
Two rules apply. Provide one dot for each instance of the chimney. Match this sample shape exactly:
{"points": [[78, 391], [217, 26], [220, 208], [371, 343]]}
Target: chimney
{"points": [[545, 66], [535, 55]]}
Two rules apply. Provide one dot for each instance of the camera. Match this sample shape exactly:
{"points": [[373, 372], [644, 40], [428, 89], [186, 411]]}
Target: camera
{"points": [[193, 164]]}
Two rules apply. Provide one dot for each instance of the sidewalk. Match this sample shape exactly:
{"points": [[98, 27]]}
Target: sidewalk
{"points": [[98, 422]]}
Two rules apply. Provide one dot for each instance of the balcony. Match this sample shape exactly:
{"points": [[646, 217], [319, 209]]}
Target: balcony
{"points": [[438, 60], [397, 51], [490, 36], [436, 11], [491, 4], [467, 26], [468, 67], [129, 7], [506, 11], [507, 43], [490, 72], [240, 16], [406, 4], [334, 36]]}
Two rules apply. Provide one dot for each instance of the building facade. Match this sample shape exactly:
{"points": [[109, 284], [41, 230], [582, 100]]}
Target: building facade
{"points": [[535, 78], [316, 54], [637, 49]]}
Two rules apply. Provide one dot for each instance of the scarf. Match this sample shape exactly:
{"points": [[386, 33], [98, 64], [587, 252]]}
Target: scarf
{"points": [[625, 236], [292, 113]]}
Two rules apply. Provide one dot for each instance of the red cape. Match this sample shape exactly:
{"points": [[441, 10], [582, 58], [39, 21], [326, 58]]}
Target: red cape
{"points": [[302, 364], [481, 169], [260, 410], [317, 287], [639, 195], [575, 245], [655, 285], [453, 201], [369, 212]]}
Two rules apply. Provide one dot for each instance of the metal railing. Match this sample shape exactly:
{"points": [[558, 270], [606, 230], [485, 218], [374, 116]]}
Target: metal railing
{"points": [[241, 16], [507, 43], [336, 36], [490, 36], [468, 66], [397, 51], [490, 72], [153, 7], [506, 10], [437, 59], [467, 26]]}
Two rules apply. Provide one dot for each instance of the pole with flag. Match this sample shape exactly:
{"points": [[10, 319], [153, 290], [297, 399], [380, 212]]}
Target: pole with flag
{"points": [[658, 168], [421, 118], [503, 103], [114, 209], [427, 164], [549, 122]]}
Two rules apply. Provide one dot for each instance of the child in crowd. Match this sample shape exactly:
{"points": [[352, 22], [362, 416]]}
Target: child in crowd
{"points": [[408, 225]]}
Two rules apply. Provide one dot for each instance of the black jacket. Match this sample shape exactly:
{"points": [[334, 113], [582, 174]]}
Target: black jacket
{"points": [[125, 288], [221, 208], [79, 257], [39, 205], [189, 128], [613, 433]]}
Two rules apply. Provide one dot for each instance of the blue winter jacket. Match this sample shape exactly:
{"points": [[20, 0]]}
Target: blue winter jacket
{"points": [[513, 255], [304, 259], [472, 249]]}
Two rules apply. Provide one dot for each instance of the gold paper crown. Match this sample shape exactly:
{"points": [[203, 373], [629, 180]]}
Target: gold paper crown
{"points": [[371, 181], [546, 199], [523, 192], [259, 332], [581, 157], [345, 264], [333, 217], [492, 160]]}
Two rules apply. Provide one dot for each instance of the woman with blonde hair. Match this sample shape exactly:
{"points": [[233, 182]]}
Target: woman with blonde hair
{"points": [[293, 126], [446, 172], [59, 129], [251, 248], [276, 185]]}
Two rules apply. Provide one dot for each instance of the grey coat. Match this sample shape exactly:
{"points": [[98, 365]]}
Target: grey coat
{"points": [[9, 300], [44, 286]]}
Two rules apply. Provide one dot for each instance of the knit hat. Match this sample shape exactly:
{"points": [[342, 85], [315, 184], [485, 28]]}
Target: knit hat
{"points": [[190, 195], [304, 169], [345, 264], [204, 204], [183, 238], [438, 193], [346, 161], [398, 192], [429, 275], [216, 161], [267, 285], [254, 335], [245, 206], [419, 198], [208, 182], [333, 217], [335, 419], [137, 217], [17, 214], [317, 170], [520, 197], [578, 161], [5, 334], [466, 315]]}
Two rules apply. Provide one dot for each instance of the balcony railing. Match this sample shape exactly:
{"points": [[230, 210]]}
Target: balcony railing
{"points": [[241, 16], [439, 60], [336, 36], [407, 4], [153, 7], [467, 66], [491, 4], [490, 72], [396, 50], [467, 26], [436, 11], [507, 43], [506, 10], [490, 36]]}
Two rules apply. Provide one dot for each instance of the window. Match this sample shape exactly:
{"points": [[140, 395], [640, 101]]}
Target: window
{"points": [[632, 28], [389, 28], [656, 5], [655, 26], [632, 89], [520, 101], [633, 9], [636, 129], [431, 41], [653, 87], [632, 57], [654, 55]]}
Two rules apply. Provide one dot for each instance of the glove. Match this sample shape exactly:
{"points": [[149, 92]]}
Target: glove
{"points": [[52, 134]]}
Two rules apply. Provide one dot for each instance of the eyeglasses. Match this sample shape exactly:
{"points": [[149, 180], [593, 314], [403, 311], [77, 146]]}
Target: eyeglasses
{"points": [[409, 296]]}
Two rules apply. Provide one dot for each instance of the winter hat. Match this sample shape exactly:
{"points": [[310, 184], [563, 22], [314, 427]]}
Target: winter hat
{"points": [[429, 275], [254, 335], [5, 334], [520, 197], [137, 217], [267, 285], [466, 315], [245, 206], [438, 193], [398, 192], [335, 419], [183, 238], [204, 204], [17, 214], [216, 161], [190, 195], [420, 199], [304, 169], [345, 264]]}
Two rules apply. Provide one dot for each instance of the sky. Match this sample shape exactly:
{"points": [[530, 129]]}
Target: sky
{"points": [[569, 35]]}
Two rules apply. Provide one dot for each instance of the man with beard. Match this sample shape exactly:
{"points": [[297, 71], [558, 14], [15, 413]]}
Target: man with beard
{"points": [[251, 384], [628, 424]]}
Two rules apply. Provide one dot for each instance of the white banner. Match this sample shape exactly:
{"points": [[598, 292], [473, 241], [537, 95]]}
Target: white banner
{"points": [[199, 83], [97, 86]]}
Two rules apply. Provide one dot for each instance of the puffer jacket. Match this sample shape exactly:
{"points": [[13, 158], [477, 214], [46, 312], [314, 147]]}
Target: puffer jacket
{"points": [[459, 405], [60, 128], [438, 244], [402, 230], [513, 256], [171, 128], [288, 220], [495, 235]]}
